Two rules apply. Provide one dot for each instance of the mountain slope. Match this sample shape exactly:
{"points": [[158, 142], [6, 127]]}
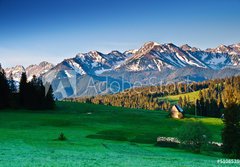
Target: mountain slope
{"points": [[91, 63], [154, 56]]}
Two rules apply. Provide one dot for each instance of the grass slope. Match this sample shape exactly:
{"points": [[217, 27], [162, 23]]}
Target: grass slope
{"points": [[97, 136], [173, 99]]}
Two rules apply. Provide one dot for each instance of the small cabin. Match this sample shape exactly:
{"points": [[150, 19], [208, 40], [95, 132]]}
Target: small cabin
{"points": [[177, 112]]}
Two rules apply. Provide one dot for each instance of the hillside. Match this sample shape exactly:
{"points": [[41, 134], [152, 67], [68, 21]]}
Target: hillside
{"points": [[173, 99], [207, 98], [96, 135]]}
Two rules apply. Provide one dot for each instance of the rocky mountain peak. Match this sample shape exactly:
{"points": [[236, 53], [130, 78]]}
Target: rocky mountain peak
{"points": [[15, 71], [129, 53], [45, 63], [147, 47], [186, 47], [115, 52]]}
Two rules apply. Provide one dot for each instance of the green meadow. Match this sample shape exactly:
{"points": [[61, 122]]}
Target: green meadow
{"points": [[173, 99], [97, 135]]}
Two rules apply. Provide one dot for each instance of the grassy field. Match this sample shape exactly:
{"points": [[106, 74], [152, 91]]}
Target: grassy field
{"points": [[97, 135], [173, 99]]}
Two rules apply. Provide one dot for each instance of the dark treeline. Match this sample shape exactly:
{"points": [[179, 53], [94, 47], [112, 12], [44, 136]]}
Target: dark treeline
{"points": [[211, 100], [31, 95], [148, 97]]}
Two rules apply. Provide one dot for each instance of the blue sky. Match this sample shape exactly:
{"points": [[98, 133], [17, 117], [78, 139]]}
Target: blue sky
{"points": [[35, 30]]}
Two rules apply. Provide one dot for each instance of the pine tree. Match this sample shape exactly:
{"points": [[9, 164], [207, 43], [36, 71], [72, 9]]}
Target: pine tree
{"points": [[50, 99], [4, 90], [180, 101], [34, 96], [188, 99], [23, 90], [231, 130], [220, 103], [41, 94], [214, 110], [201, 104], [198, 108], [185, 103], [206, 111]]}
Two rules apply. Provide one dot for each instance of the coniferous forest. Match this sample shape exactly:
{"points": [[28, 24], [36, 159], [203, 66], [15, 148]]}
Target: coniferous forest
{"points": [[144, 97], [31, 94], [211, 99]]}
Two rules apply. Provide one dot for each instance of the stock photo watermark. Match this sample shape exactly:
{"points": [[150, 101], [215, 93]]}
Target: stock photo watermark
{"points": [[228, 161], [79, 85]]}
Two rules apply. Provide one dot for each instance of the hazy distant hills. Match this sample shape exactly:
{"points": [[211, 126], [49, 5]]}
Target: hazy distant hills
{"points": [[151, 64]]}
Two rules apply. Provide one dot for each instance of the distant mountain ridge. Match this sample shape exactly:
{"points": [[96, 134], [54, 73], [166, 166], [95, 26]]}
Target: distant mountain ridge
{"points": [[31, 70], [163, 61], [154, 56]]}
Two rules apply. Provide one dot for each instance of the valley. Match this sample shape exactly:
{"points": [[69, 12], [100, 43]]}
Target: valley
{"points": [[119, 83], [96, 135]]}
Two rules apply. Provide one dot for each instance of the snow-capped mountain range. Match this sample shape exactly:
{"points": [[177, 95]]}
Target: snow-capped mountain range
{"points": [[154, 56], [31, 70], [92, 63], [152, 59]]}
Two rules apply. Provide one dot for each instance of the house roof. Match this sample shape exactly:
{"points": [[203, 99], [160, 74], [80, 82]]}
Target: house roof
{"points": [[179, 108]]}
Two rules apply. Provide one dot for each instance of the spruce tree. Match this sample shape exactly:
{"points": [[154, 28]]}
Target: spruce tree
{"points": [[206, 111], [41, 93], [220, 103], [185, 103], [201, 104], [231, 130], [23, 90], [188, 99], [180, 101], [4, 90], [33, 98], [50, 103], [198, 108]]}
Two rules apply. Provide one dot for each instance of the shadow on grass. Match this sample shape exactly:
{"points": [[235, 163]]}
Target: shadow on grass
{"points": [[56, 123], [118, 135], [146, 138]]}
